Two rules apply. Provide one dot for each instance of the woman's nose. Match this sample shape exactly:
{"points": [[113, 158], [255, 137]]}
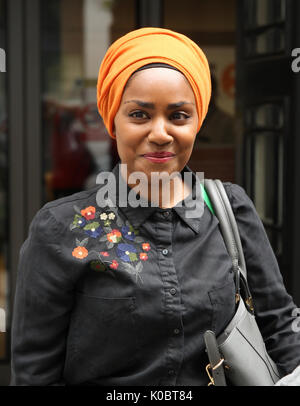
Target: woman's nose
{"points": [[159, 132]]}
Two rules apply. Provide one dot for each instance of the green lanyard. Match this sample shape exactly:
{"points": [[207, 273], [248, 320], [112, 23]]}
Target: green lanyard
{"points": [[206, 199]]}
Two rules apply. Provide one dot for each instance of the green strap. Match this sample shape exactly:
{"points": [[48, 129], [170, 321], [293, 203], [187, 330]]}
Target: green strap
{"points": [[206, 199]]}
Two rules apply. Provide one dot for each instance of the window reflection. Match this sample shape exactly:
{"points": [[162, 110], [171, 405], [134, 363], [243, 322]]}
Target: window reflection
{"points": [[268, 167], [263, 12], [4, 232], [75, 37]]}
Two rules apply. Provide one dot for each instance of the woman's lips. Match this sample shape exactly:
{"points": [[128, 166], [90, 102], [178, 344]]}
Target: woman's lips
{"points": [[159, 157]]}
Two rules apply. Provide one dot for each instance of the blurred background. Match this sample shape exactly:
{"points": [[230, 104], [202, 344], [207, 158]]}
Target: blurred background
{"points": [[53, 141]]}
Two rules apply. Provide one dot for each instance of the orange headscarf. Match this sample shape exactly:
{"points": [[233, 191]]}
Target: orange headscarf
{"points": [[142, 47]]}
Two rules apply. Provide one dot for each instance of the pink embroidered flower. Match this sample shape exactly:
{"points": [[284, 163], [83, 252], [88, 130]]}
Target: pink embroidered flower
{"points": [[89, 212], [80, 252], [104, 253], [146, 246], [143, 256], [114, 264]]}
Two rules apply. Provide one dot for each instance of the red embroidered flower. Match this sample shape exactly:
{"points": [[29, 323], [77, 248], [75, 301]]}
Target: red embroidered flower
{"points": [[143, 256], [89, 212], [114, 264], [146, 246], [104, 253], [114, 236], [80, 252]]}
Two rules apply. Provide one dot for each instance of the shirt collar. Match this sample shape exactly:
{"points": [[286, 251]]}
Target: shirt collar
{"points": [[190, 210]]}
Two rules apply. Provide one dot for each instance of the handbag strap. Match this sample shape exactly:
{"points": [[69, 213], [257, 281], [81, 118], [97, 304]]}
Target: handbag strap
{"points": [[221, 205]]}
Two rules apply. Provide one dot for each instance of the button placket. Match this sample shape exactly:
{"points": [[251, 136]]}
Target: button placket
{"points": [[172, 304]]}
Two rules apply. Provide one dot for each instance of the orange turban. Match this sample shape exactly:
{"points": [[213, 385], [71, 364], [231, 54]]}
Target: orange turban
{"points": [[142, 47]]}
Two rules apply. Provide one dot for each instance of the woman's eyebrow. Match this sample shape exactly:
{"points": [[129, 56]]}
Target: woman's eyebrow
{"points": [[148, 105]]}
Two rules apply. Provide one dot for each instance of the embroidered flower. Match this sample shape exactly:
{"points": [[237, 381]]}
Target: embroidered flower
{"points": [[97, 266], [89, 212], [80, 252], [79, 221], [129, 232], [114, 264], [146, 246], [143, 256], [127, 252], [93, 229], [115, 236]]}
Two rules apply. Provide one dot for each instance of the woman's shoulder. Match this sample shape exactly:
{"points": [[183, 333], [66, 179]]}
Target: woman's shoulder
{"points": [[62, 211], [237, 194]]}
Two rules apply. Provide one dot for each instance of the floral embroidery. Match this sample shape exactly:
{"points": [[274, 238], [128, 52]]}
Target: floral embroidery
{"points": [[93, 229], [143, 256], [114, 236], [114, 264], [97, 266], [127, 252], [80, 252], [125, 249], [89, 213]]}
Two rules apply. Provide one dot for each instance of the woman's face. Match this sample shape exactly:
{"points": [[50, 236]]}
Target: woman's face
{"points": [[156, 124]]}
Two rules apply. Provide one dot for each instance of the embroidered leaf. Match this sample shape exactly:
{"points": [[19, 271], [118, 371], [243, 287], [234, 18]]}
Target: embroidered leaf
{"points": [[109, 244], [97, 214], [119, 222], [132, 256], [91, 226], [72, 226], [77, 209], [139, 267], [84, 242], [107, 229], [139, 239], [103, 238], [78, 243]]}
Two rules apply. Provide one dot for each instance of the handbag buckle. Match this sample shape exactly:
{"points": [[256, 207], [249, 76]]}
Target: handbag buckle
{"points": [[209, 367]]}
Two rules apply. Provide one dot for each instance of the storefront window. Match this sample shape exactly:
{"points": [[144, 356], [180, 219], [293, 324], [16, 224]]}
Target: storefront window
{"points": [[212, 26], [3, 188], [75, 37]]}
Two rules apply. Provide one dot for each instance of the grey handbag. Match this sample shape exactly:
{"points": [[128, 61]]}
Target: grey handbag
{"points": [[238, 355]]}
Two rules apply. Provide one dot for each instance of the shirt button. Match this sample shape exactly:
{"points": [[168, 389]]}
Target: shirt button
{"points": [[176, 331], [166, 214], [165, 251], [171, 372], [173, 291]]}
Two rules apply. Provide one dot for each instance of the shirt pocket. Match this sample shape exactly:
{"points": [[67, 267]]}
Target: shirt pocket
{"points": [[102, 339], [223, 305]]}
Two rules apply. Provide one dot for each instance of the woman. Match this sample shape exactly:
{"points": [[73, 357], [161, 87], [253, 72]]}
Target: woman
{"points": [[122, 295]]}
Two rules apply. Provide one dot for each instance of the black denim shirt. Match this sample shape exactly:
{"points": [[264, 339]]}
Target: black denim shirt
{"points": [[122, 296]]}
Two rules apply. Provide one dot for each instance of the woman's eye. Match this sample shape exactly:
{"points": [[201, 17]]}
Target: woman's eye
{"points": [[138, 114], [179, 116]]}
